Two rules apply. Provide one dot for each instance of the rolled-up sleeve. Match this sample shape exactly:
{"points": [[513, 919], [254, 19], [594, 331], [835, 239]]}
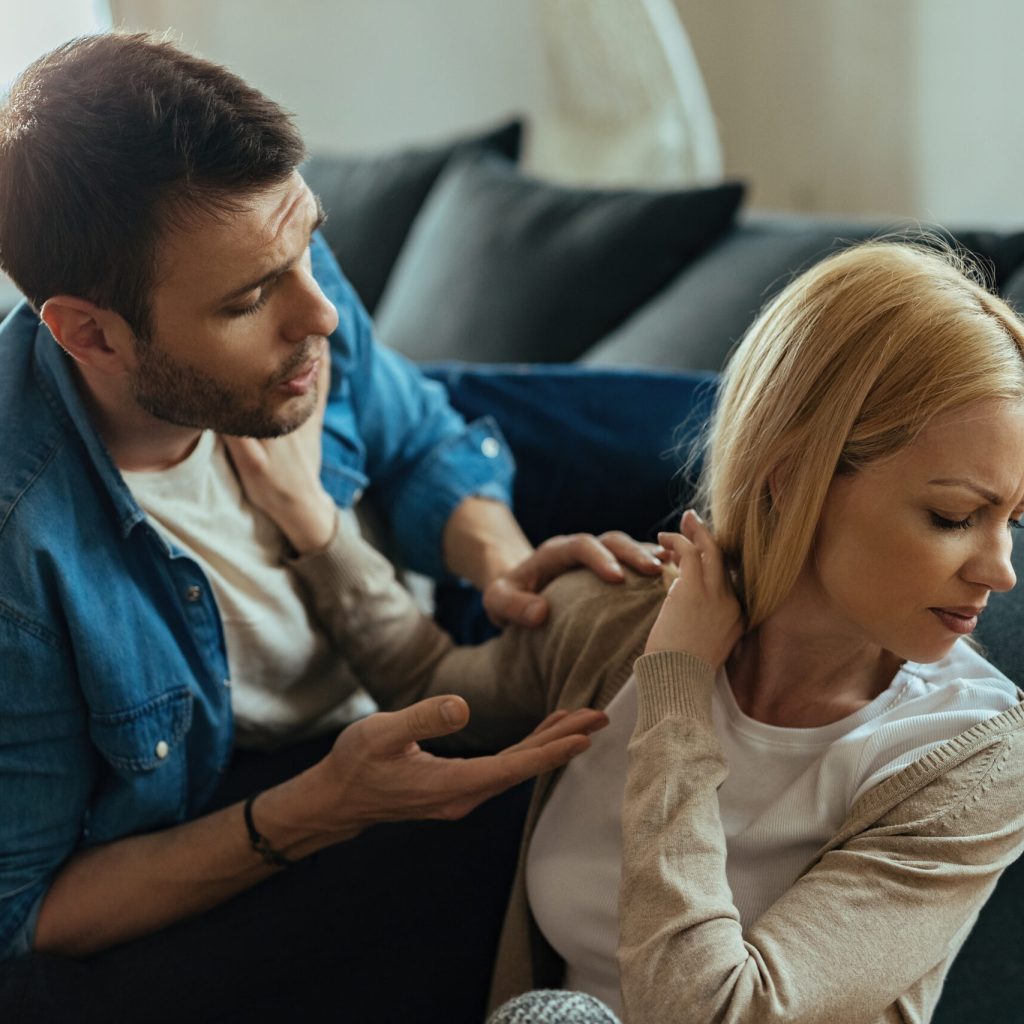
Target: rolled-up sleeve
{"points": [[421, 458]]}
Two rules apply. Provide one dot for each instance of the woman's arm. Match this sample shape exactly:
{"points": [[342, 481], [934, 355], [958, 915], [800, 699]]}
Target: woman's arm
{"points": [[873, 916], [884, 908]]}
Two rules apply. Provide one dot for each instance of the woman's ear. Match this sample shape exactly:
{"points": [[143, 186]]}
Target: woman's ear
{"points": [[94, 337]]}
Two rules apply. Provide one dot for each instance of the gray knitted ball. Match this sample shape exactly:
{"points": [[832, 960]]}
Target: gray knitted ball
{"points": [[553, 1006]]}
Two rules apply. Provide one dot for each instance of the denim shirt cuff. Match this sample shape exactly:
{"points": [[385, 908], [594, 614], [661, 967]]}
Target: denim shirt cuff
{"points": [[474, 463], [26, 906]]}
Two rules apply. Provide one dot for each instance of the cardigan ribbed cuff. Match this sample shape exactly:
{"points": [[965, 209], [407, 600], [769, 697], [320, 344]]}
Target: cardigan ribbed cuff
{"points": [[672, 683], [346, 563]]}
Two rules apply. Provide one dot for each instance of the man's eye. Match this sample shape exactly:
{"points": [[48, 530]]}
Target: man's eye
{"points": [[253, 307], [949, 524]]}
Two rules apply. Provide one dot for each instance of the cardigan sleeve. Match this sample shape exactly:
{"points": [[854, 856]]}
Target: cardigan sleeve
{"points": [[874, 916], [401, 656]]}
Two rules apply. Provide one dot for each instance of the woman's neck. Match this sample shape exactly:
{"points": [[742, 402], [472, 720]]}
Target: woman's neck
{"points": [[800, 669]]}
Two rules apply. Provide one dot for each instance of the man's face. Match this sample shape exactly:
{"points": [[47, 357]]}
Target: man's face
{"points": [[240, 324]]}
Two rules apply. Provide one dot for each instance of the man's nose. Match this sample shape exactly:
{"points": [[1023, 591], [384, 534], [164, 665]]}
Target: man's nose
{"points": [[312, 313]]}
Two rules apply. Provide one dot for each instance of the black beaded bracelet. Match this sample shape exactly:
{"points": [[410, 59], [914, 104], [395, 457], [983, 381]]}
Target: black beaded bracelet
{"points": [[260, 843]]}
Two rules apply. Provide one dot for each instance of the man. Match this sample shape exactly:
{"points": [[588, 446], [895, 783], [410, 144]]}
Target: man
{"points": [[151, 211]]}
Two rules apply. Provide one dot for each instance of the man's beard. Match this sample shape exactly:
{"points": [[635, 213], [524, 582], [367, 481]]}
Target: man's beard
{"points": [[186, 397]]}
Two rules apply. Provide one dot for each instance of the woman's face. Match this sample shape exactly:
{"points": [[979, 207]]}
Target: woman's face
{"points": [[908, 549]]}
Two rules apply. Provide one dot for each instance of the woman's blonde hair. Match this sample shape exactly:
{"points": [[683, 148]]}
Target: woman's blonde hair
{"points": [[845, 366]]}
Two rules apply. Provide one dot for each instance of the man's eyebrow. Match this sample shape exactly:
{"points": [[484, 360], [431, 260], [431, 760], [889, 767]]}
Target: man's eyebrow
{"points": [[321, 216], [988, 495]]}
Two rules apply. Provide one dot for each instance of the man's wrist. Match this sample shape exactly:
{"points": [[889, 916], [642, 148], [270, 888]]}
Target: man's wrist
{"points": [[483, 541], [288, 816]]}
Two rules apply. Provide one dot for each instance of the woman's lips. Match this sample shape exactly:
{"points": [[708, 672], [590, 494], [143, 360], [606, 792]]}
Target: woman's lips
{"points": [[959, 620]]}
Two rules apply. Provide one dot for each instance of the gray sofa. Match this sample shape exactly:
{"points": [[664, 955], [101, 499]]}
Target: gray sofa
{"points": [[618, 295]]}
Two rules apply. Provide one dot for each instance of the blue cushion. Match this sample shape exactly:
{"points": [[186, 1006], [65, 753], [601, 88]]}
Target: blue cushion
{"points": [[596, 449]]}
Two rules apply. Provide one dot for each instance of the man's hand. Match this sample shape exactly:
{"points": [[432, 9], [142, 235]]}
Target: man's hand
{"points": [[514, 597], [377, 771]]}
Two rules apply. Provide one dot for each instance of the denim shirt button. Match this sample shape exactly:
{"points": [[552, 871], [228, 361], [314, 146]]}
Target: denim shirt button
{"points": [[162, 749], [193, 593], [490, 447], [226, 682]]}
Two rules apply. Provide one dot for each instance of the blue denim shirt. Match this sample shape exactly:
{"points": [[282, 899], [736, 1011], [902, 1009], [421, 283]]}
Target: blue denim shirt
{"points": [[115, 716]]}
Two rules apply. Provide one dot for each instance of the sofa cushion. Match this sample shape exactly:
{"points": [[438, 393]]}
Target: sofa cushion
{"points": [[372, 201], [502, 267], [596, 450], [695, 322]]}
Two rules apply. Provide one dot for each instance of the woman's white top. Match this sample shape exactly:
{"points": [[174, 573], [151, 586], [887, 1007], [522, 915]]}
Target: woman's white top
{"points": [[786, 794]]}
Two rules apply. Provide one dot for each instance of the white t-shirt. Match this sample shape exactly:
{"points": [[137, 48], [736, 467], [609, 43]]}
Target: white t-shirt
{"points": [[787, 793], [287, 682]]}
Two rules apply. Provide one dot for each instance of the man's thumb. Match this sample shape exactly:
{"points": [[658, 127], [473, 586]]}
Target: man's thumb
{"points": [[427, 719]]}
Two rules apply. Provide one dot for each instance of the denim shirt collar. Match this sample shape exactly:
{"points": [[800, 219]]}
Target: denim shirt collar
{"points": [[56, 378]]}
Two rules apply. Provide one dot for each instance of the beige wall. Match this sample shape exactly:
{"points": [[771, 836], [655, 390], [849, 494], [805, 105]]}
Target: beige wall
{"points": [[873, 107], [877, 107]]}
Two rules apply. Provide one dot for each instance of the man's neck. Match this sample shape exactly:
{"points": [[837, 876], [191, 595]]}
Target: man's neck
{"points": [[137, 441]]}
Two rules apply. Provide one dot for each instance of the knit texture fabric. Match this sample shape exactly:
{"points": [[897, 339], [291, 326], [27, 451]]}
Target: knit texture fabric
{"points": [[553, 1006]]}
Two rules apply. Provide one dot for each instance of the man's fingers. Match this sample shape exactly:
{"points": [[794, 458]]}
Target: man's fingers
{"points": [[583, 722], [631, 552], [586, 550], [487, 776], [392, 731], [555, 716], [506, 602]]}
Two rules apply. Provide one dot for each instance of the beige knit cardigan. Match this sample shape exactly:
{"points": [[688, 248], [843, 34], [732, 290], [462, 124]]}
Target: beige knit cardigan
{"points": [[867, 932]]}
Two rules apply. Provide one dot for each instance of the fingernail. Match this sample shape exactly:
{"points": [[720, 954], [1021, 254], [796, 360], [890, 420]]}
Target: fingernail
{"points": [[615, 568], [450, 712], [534, 610]]}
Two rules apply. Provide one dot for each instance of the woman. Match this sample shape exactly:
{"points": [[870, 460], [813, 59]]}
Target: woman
{"points": [[810, 783]]}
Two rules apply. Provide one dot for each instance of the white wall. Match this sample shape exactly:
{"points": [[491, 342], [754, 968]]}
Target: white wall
{"points": [[367, 74], [873, 107]]}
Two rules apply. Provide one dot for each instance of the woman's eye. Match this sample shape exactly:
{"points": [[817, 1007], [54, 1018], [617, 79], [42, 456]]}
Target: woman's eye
{"points": [[949, 524]]}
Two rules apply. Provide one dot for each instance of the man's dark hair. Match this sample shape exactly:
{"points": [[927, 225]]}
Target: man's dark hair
{"points": [[109, 141]]}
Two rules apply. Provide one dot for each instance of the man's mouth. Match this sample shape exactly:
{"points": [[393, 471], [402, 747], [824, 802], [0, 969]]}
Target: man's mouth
{"points": [[300, 379]]}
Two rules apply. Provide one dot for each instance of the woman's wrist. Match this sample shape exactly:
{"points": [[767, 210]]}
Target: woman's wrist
{"points": [[309, 527]]}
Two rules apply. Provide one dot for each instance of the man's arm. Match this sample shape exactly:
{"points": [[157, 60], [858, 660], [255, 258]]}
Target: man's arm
{"points": [[484, 544], [444, 486], [375, 772]]}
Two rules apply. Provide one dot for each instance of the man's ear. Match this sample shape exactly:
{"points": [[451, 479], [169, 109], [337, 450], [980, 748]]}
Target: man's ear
{"points": [[94, 337]]}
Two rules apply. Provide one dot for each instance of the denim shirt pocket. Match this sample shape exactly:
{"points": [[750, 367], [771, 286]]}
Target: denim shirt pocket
{"points": [[145, 745]]}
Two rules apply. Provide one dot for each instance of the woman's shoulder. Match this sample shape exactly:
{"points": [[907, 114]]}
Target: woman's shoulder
{"points": [[576, 595]]}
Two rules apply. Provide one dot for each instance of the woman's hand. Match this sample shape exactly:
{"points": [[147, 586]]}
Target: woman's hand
{"points": [[701, 614], [281, 476]]}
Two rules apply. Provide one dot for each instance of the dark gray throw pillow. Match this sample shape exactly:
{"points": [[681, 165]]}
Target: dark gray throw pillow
{"points": [[371, 201], [500, 267]]}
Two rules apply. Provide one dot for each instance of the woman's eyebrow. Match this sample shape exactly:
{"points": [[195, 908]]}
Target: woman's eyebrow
{"points": [[988, 495]]}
